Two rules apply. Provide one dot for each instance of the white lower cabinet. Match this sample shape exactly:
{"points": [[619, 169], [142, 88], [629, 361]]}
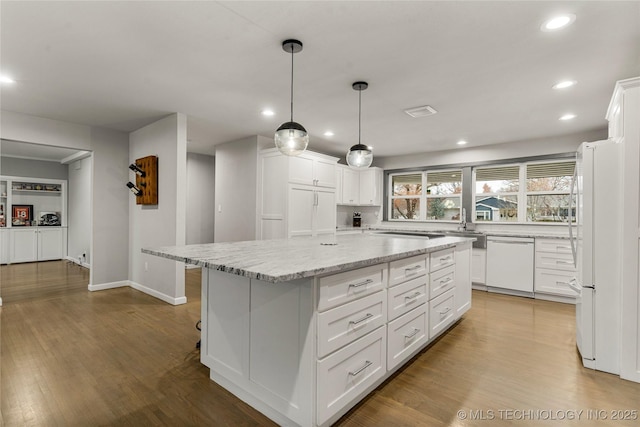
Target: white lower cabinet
{"points": [[305, 351], [347, 373], [441, 312], [5, 240], [36, 244], [479, 266], [406, 334], [554, 268]]}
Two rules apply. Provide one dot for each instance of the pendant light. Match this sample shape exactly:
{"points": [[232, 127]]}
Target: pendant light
{"points": [[291, 138], [359, 156]]}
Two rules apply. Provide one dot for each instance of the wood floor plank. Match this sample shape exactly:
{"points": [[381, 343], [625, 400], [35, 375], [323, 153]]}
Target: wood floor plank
{"points": [[69, 357]]}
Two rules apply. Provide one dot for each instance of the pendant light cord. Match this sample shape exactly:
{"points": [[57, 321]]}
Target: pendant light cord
{"points": [[359, 112], [292, 82]]}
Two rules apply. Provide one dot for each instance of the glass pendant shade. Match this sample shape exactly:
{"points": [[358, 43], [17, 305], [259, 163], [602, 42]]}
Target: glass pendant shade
{"points": [[291, 138], [359, 156]]}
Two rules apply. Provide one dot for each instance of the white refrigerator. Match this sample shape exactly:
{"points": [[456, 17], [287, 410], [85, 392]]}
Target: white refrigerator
{"points": [[596, 244]]}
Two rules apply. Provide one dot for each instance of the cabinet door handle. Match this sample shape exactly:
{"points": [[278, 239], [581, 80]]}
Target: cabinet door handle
{"points": [[412, 297], [412, 333], [364, 283], [362, 319], [366, 365]]}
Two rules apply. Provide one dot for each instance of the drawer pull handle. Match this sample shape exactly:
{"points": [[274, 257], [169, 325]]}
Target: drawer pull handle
{"points": [[366, 365], [411, 270], [442, 313], [413, 296], [558, 261], [364, 283], [413, 333], [447, 258], [362, 319], [562, 283], [563, 247], [444, 282]]}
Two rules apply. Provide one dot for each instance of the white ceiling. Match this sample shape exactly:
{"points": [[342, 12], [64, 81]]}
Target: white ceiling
{"points": [[485, 66]]}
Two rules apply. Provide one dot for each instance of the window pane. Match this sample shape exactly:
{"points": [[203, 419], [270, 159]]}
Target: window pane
{"points": [[504, 179], [440, 183], [550, 208], [497, 209], [407, 185], [550, 176], [443, 208], [406, 208]]}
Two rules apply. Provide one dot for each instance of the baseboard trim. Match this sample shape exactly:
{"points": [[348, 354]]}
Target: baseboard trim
{"points": [[110, 285], [159, 295], [141, 288], [76, 262]]}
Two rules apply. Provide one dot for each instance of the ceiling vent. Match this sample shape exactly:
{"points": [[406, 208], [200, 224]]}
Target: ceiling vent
{"points": [[423, 111]]}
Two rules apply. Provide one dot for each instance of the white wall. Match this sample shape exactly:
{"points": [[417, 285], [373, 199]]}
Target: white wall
{"points": [[79, 210], [536, 147], [162, 224], [236, 188], [200, 198], [13, 166], [109, 203]]}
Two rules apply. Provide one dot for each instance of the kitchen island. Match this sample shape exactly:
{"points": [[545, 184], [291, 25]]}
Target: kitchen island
{"points": [[302, 329]]}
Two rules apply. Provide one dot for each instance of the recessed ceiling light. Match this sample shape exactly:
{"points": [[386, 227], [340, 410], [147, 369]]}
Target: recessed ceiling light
{"points": [[564, 84], [328, 133], [462, 142], [268, 112], [558, 22], [568, 117], [6, 79]]}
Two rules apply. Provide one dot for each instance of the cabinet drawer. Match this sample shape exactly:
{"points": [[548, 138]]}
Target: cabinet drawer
{"points": [[344, 287], [554, 282], [340, 326], [406, 297], [441, 311], [408, 268], [347, 373], [405, 334], [441, 281], [441, 259], [555, 261], [558, 246]]}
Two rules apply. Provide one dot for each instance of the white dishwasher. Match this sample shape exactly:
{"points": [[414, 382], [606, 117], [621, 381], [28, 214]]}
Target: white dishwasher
{"points": [[510, 265]]}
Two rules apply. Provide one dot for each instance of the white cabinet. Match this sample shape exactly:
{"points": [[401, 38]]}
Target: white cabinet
{"points": [[623, 114], [463, 278], [312, 211], [296, 195], [350, 186], [479, 266], [310, 169], [36, 244], [360, 188], [371, 187], [4, 246], [510, 265]]}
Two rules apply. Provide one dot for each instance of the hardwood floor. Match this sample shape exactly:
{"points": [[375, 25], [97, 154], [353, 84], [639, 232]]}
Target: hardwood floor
{"points": [[123, 358]]}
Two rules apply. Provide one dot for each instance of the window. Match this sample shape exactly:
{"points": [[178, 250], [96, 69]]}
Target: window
{"points": [[434, 196], [496, 193], [406, 196], [444, 190], [548, 192]]}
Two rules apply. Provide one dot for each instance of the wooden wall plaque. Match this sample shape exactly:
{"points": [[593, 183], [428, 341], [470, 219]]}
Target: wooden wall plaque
{"points": [[149, 182]]}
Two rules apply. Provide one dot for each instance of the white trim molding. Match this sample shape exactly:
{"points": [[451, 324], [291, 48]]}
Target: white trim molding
{"points": [[141, 288]]}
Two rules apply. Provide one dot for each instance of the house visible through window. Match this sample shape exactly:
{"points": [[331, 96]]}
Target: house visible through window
{"points": [[496, 193]]}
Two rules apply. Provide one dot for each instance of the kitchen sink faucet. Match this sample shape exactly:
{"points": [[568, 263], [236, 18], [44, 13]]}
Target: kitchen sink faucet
{"points": [[463, 221]]}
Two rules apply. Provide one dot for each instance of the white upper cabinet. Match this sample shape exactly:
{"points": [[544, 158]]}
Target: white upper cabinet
{"points": [[360, 188], [312, 169]]}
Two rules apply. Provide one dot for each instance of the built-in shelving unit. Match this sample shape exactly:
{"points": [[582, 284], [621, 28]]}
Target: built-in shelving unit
{"points": [[33, 219]]}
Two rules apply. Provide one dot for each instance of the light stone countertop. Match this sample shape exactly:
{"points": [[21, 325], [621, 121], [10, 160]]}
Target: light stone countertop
{"points": [[281, 260]]}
